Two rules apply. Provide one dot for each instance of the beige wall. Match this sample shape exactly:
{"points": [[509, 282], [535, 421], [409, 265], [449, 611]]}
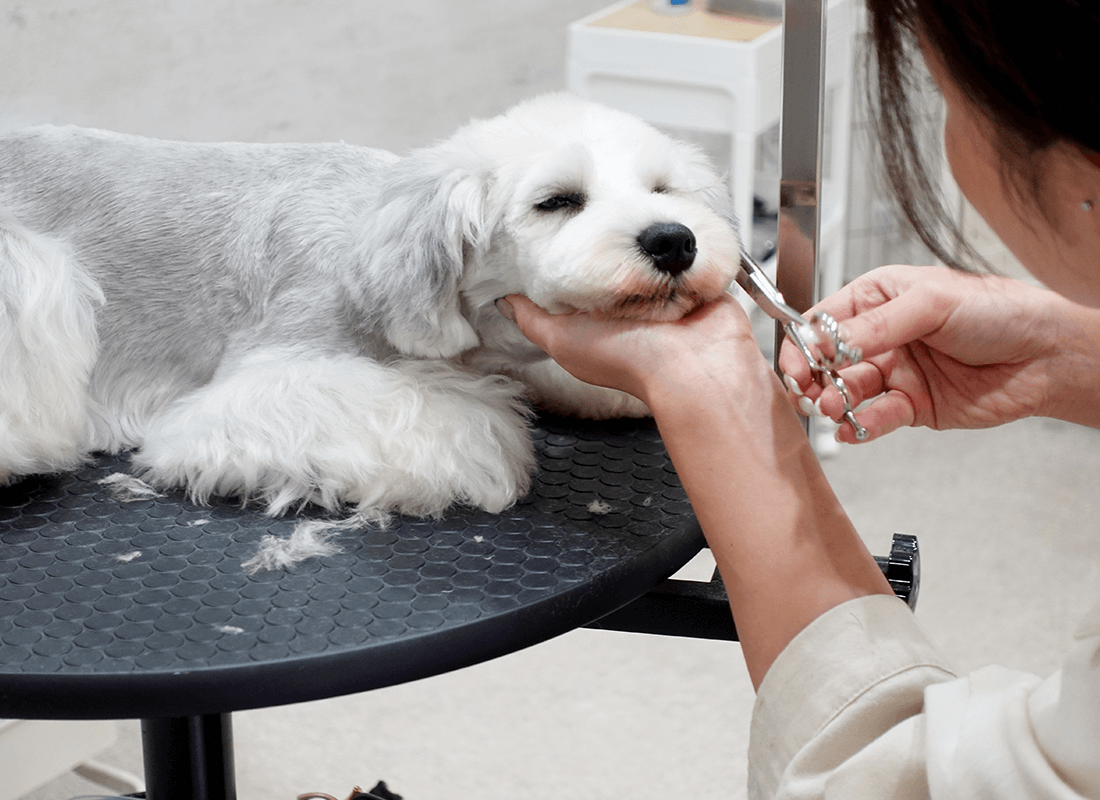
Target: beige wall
{"points": [[391, 74]]}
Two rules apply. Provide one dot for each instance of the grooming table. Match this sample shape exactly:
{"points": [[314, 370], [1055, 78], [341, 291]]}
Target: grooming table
{"points": [[141, 609]]}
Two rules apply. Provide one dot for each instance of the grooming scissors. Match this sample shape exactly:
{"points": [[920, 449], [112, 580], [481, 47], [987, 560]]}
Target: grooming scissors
{"points": [[819, 338]]}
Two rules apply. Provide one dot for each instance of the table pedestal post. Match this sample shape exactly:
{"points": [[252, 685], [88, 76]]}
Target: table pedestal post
{"points": [[189, 758]]}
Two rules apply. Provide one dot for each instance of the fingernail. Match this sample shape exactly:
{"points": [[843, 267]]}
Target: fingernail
{"points": [[792, 386], [809, 408], [506, 310]]}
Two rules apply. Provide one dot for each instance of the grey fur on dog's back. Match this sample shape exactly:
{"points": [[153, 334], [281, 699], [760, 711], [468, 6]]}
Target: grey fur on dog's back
{"points": [[227, 258]]}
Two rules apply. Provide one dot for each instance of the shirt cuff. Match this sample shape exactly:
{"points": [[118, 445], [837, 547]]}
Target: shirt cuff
{"points": [[846, 654]]}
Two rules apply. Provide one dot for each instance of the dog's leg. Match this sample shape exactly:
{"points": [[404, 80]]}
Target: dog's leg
{"points": [[48, 347], [554, 389], [286, 428]]}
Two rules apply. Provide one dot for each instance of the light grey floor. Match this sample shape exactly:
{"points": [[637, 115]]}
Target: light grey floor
{"points": [[1006, 518]]}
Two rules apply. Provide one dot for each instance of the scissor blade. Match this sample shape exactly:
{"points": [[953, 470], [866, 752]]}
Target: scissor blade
{"points": [[755, 281]]}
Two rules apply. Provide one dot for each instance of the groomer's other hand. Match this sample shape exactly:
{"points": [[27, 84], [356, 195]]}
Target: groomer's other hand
{"points": [[944, 349], [650, 360]]}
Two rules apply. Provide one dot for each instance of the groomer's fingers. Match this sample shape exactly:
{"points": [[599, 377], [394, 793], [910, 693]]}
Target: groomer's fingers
{"points": [[533, 321], [885, 415], [517, 308], [864, 381], [880, 329], [904, 319], [797, 375]]}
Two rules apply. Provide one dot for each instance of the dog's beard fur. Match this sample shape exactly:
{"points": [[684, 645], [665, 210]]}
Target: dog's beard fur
{"points": [[315, 323]]}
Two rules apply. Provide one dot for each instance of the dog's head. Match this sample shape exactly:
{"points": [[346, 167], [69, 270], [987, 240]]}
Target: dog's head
{"points": [[599, 211], [576, 206]]}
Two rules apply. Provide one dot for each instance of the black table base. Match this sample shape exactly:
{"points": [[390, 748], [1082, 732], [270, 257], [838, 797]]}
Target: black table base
{"points": [[189, 758]]}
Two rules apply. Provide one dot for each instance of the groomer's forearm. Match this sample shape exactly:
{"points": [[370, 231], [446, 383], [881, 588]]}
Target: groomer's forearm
{"points": [[786, 550]]}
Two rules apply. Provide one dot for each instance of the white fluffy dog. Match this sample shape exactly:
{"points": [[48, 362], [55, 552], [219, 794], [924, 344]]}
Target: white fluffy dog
{"points": [[315, 323]]}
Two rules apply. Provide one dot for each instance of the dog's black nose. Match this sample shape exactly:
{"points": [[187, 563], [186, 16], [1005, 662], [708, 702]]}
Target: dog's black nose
{"points": [[670, 245]]}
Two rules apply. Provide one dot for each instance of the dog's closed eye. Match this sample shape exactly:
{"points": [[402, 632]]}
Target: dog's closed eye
{"points": [[559, 202]]}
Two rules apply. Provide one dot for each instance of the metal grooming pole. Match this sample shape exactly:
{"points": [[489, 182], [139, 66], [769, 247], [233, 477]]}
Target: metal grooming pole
{"points": [[801, 130]]}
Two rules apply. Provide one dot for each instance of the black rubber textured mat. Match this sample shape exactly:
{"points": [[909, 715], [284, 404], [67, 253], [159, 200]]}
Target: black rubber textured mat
{"points": [[141, 608]]}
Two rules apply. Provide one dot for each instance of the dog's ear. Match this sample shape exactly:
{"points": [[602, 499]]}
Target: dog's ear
{"points": [[430, 214]]}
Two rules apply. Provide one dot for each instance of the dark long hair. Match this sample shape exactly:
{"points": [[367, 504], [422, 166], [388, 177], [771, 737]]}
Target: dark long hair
{"points": [[1029, 67]]}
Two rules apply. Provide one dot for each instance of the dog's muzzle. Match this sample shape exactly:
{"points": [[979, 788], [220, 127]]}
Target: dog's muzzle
{"points": [[670, 246]]}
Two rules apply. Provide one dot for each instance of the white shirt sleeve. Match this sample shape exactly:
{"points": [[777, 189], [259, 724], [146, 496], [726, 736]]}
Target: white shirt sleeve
{"points": [[860, 705]]}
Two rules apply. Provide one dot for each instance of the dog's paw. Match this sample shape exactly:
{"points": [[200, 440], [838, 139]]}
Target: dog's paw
{"points": [[461, 439], [481, 470], [411, 437]]}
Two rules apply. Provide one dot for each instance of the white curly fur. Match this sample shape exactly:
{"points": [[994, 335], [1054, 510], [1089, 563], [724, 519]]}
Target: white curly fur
{"points": [[47, 350]]}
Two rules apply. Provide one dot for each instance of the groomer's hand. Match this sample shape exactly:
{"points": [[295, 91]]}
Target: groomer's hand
{"points": [[653, 361], [944, 349]]}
